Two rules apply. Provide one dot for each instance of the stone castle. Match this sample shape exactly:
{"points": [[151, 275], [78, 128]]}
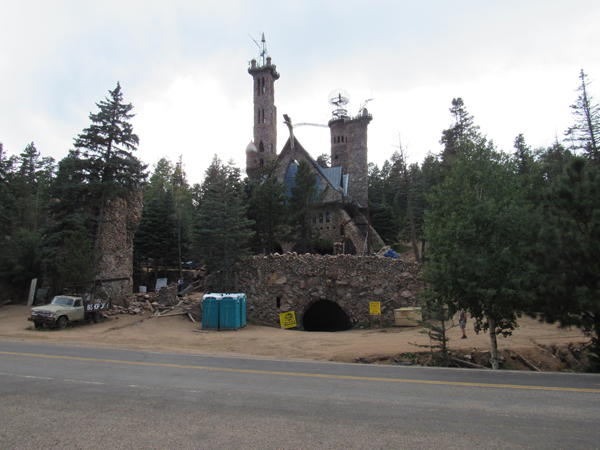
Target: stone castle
{"points": [[342, 216]]}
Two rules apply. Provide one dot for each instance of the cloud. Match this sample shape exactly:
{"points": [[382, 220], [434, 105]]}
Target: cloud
{"points": [[183, 66]]}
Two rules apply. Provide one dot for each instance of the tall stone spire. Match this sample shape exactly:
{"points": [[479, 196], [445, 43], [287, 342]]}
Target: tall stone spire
{"points": [[264, 74]]}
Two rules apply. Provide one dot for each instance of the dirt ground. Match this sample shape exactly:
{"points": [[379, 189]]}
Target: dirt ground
{"points": [[537, 343]]}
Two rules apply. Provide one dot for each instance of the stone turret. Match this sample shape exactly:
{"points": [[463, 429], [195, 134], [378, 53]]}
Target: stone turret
{"points": [[349, 150], [265, 115]]}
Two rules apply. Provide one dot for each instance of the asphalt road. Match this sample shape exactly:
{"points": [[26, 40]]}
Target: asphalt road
{"points": [[80, 398]]}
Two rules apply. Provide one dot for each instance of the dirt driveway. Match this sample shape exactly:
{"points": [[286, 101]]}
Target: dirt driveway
{"points": [[533, 340]]}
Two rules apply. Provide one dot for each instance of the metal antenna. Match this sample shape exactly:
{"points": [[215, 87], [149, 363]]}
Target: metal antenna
{"points": [[262, 55]]}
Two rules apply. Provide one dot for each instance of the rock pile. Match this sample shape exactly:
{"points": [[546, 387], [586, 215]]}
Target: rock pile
{"points": [[161, 304]]}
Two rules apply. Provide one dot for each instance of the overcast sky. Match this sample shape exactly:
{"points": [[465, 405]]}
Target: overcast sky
{"points": [[183, 65]]}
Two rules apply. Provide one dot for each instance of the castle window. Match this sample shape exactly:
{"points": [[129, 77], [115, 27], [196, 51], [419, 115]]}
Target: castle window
{"points": [[320, 218], [262, 162], [261, 147], [327, 217], [336, 156], [264, 89]]}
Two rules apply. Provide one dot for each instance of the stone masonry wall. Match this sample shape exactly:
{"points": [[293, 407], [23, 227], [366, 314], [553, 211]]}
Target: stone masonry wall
{"points": [[120, 219], [350, 281]]}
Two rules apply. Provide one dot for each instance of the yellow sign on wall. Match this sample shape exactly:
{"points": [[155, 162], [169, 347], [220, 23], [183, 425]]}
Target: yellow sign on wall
{"points": [[288, 319], [375, 308]]}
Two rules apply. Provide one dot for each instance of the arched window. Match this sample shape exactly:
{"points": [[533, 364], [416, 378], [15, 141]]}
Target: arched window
{"points": [[261, 147]]}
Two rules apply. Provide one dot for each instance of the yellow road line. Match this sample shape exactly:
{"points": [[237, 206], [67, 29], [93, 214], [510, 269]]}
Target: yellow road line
{"points": [[310, 375]]}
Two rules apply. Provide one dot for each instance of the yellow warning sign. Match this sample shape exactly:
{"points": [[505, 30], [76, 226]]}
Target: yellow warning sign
{"points": [[288, 320], [375, 308]]}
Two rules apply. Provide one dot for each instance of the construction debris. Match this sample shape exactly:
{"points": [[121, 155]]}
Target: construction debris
{"points": [[165, 303]]}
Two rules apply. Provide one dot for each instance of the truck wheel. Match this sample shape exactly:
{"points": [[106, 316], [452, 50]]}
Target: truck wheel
{"points": [[97, 317], [61, 323], [38, 325]]}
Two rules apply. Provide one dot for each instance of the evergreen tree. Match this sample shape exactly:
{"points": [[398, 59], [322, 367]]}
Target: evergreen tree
{"points": [[585, 134], [160, 181], [267, 209], [554, 160], [530, 170], [24, 182], [222, 230], [304, 195], [31, 184], [463, 133], [106, 148], [480, 229], [7, 198], [100, 168], [568, 255]]}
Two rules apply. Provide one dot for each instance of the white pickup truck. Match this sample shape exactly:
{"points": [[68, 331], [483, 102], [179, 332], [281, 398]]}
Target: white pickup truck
{"points": [[67, 308]]}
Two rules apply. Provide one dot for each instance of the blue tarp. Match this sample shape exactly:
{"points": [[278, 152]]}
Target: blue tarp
{"points": [[391, 254]]}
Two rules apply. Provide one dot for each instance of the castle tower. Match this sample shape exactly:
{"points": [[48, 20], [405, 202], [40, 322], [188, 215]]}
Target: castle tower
{"points": [[264, 149], [349, 150]]}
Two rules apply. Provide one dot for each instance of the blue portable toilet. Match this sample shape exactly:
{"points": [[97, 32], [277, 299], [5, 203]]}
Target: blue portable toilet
{"points": [[211, 305], [230, 312], [243, 309], [242, 299]]}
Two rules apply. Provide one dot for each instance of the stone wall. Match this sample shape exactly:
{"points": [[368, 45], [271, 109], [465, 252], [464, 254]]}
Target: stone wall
{"points": [[280, 283]]}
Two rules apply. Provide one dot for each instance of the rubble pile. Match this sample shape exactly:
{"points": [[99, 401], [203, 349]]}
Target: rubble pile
{"points": [[162, 304]]}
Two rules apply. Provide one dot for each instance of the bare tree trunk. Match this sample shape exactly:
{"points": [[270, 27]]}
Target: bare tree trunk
{"points": [[179, 243], [413, 235], [494, 344], [406, 180]]}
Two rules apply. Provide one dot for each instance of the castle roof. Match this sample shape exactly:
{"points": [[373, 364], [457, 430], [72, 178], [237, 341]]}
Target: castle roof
{"points": [[333, 175]]}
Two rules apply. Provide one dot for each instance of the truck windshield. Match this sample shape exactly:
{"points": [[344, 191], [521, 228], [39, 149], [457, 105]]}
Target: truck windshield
{"points": [[62, 301]]}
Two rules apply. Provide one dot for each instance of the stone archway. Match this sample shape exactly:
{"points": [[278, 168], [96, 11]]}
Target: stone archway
{"points": [[324, 315]]}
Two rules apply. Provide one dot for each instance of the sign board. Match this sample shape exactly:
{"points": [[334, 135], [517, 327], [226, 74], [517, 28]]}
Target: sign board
{"points": [[288, 320], [32, 292], [142, 288], [375, 308], [161, 282]]}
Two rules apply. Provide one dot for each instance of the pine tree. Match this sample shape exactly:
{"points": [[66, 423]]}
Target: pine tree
{"points": [[304, 195], [585, 134], [568, 254], [223, 230], [106, 148], [268, 210], [463, 133], [100, 168], [480, 228]]}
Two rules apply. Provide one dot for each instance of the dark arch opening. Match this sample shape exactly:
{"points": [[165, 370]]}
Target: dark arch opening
{"points": [[324, 315]]}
